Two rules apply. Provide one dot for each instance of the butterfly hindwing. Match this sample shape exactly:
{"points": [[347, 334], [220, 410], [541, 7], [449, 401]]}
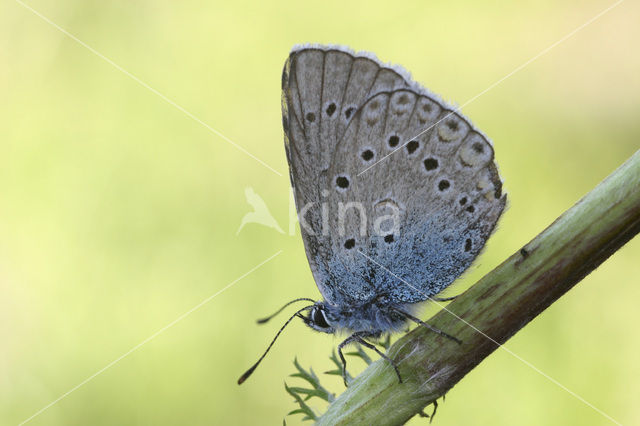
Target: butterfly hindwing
{"points": [[431, 167]]}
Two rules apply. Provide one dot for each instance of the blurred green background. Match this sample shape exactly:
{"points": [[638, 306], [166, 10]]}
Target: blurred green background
{"points": [[118, 212]]}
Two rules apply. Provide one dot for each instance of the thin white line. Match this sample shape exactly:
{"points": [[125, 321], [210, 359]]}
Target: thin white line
{"points": [[499, 345], [172, 323], [541, 53], [145, 85]]}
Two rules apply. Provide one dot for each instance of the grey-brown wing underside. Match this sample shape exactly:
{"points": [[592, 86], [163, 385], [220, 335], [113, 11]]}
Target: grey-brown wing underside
{"points": [[341, 114]]}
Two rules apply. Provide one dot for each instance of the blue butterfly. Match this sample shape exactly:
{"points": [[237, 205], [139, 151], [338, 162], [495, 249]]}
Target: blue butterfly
{"points": [[396, 192]]}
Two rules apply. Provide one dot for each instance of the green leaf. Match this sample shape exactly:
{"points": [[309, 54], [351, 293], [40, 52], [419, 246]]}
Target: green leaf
{"points": [[360, 353], [309, 414]]}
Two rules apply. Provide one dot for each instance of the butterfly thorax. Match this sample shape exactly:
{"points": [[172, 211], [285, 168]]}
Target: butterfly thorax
{"points": [[375, 316]]}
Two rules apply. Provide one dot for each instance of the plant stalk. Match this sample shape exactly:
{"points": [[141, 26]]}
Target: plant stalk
{"points": [[496, 307]]}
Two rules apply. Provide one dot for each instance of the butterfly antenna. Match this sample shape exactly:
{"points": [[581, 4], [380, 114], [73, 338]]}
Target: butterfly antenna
{"points": [[263, 320], [247, 373]]}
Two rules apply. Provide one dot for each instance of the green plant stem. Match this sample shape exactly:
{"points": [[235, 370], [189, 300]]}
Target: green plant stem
{"points": [[496, 307]]}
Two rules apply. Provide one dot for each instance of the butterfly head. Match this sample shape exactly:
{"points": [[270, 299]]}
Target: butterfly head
{"points": [[318, 318]]}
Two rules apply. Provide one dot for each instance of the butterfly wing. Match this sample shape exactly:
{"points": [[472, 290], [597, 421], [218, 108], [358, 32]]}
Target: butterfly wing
{"points": [[409, 157], [423, 213], [322, 88]]}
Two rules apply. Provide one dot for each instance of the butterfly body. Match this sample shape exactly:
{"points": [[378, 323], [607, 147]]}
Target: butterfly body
{"points": [[373, 317]]}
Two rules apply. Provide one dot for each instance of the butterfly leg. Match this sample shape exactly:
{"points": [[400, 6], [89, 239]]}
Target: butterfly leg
{"points": [[359, 338], [344, 361], [435, 408], [363, 342], [430, 327]]}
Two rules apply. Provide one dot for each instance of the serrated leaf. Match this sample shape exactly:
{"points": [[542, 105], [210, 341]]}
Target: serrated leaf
{"points": [[304, 408], [360, 353], [338, 370], [301, 394]]}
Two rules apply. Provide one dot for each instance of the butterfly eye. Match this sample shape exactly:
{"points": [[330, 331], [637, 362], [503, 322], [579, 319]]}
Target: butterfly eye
{"points": [[318, 318]]}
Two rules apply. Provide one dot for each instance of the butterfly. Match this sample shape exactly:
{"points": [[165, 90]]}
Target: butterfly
{"points": [[396, 191]]}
